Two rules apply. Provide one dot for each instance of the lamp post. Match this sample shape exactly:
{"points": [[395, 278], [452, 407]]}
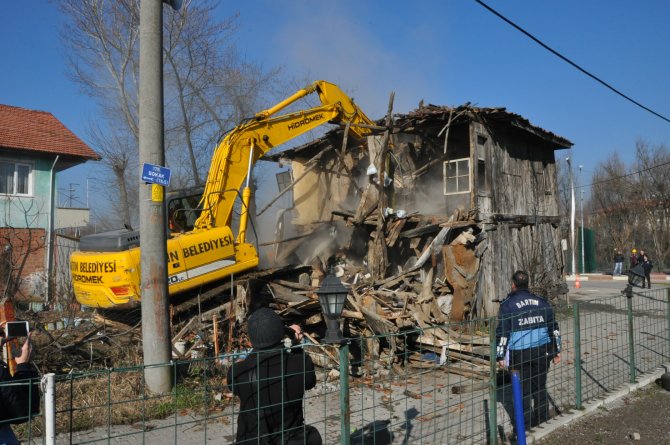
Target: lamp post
{"points": [[635, 279], [332, 295], [581, 210], [572, 217]]}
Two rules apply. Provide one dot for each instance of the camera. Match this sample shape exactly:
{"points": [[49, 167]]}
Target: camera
{"points": [[14, 329]]}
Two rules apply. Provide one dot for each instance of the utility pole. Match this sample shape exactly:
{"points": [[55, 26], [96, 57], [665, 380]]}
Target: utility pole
{"points": [[581, 210], [156, 342], [572, 217]]}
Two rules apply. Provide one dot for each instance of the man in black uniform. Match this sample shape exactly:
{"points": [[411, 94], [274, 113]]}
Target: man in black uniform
{"points": [[271, 383], [528, 339]]}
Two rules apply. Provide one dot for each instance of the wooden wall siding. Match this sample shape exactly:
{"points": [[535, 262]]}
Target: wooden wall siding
{"points": [[534, 248], [526, 168], [429, 190]]}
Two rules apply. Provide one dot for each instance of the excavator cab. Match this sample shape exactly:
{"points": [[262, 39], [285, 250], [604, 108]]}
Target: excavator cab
{"points": [[183, 209]]}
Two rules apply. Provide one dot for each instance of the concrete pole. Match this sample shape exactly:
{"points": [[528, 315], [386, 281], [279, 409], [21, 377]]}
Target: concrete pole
{"points": [[153, 258], [572, 218]]}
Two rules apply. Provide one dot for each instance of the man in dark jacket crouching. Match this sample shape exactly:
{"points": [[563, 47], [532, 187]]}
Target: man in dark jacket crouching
{"points": [[270, 383]]}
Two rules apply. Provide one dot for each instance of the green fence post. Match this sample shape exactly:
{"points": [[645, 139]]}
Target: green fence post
{"points": [[345, 413], [578, 356], [631, 340], [667, 309], [493, 389]]}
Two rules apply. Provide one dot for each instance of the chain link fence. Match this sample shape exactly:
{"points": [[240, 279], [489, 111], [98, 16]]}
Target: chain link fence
{"points": [[439, 389]]}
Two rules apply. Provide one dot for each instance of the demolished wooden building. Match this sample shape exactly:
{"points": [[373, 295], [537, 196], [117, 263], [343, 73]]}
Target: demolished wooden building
{"points": [[467, 195], [474, 189]]}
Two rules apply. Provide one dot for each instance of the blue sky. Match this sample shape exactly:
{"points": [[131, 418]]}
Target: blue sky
{"points": [[445, 52]]}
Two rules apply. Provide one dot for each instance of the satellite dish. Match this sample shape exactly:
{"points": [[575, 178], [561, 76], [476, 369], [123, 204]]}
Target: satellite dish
{"points": [[175, 4]]}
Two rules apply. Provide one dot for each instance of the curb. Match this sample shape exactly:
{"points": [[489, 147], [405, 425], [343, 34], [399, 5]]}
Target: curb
{"points": [[602, 277], [557, 422]]}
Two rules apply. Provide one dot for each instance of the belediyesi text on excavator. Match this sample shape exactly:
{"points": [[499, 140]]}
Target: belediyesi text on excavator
{"points": [[106, 269]]}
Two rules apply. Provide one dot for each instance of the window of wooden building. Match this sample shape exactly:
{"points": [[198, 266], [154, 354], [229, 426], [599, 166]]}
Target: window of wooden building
{"points": [[457, 176]]}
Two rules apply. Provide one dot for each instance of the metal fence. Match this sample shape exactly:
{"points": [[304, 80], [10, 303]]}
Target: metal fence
{"points": [[416, 386]]}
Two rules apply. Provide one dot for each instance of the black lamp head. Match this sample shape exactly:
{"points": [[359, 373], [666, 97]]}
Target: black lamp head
{"points": [[332, 295], [636, 276]]}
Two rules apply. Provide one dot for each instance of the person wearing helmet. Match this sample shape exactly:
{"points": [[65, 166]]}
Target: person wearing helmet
{"points": [[633, 258], [271, 382]]}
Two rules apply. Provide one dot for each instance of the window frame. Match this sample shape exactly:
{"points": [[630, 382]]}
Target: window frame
{"points": [[15, 178], [459, 177]]}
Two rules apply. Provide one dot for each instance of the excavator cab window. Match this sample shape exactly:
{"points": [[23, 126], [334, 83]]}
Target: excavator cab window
{"points": [[182, 212]]}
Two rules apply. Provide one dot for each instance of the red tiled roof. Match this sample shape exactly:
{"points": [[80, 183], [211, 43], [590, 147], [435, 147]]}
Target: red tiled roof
{"points": [[39, 131]]}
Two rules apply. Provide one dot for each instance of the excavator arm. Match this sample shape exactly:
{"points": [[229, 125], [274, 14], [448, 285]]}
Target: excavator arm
{"points": [[106, 271], [244, 145]]}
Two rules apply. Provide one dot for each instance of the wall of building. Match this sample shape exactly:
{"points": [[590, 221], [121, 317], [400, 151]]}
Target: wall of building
{"points": [[22, 261], [524, 186], [524, 175], [28, 211]]}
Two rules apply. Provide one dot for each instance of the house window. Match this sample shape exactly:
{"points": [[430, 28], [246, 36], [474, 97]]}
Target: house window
{"points": [[15, 179], [283, 182], [457, 176]]}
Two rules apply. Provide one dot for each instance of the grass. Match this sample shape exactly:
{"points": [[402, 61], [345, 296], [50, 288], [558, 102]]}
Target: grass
{"points": [[119, 397]]}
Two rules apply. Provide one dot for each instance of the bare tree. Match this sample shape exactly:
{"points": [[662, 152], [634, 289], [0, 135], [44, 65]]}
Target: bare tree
{"points": [[102, 38], [631, 205], [653, 195], [209, 87], [613, 217]]}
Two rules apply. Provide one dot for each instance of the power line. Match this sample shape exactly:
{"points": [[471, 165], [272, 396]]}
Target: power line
{"points": [[620, 177], [565, 59]]}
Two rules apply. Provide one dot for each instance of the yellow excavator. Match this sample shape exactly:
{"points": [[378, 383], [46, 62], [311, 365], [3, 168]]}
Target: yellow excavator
{"points": [[202, 249]]}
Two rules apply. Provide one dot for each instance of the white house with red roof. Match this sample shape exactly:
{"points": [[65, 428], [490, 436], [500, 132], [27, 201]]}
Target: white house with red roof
{"points": [[34, 147]]}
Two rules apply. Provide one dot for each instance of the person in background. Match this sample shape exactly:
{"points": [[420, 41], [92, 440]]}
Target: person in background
{"points": [[271, 382], [633, 258], [618, 262], [528, 339], [647, 265], [17, 401], [640, 256]]}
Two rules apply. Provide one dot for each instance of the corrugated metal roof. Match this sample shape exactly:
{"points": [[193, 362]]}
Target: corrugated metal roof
{"points": [[39, 132]]}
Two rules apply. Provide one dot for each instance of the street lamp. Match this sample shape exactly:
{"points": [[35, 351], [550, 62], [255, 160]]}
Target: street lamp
{"points": [[581, 210], [572, 218], [635, 279], [332, 295]]}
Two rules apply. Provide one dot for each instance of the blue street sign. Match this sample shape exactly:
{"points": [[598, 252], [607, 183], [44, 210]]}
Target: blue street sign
{"points": [[155, 174]]}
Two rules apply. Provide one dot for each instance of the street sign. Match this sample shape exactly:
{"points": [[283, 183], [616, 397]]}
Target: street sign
{"points": [[155, 174]]}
